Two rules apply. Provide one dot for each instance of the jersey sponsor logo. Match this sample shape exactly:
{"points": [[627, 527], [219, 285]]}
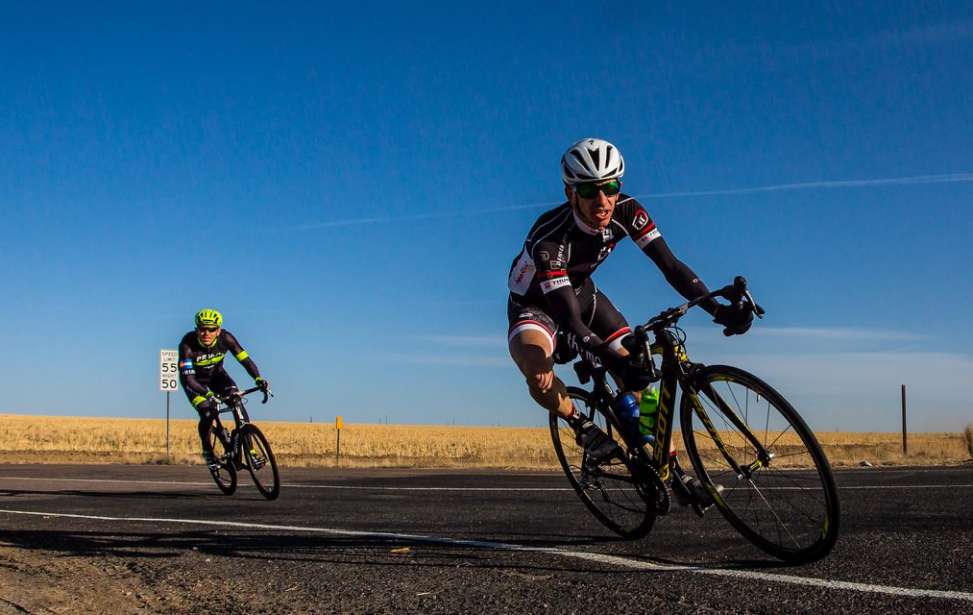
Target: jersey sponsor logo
{"points": [[641, 219], [522, 274], [209, 360], [648, 237], [605, 251], [560, 255], [575, 345], [554, 284]]}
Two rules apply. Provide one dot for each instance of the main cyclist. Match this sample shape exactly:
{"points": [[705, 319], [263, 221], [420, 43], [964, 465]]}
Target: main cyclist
{"points": [[201, 372], [551, 290]]}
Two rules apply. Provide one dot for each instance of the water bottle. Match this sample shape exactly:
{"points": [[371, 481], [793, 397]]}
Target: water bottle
{"points": [[648, 412], [627, 409]]}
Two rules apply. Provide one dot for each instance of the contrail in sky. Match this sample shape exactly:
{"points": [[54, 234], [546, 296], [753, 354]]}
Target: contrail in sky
{"points": [[946, 178]]}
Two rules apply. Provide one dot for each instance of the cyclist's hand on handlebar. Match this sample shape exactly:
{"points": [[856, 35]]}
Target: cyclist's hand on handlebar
{"points": [[263, 384], [735, 318], [209, 406], [632, 374]]}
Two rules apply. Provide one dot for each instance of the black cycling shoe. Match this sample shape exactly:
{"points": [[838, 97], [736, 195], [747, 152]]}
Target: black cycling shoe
{"points": [[210, 460], [595, 442], [688, 491]]}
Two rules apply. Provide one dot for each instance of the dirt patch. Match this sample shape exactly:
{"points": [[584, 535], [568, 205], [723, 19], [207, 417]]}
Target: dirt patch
{"points": [[39, 581]]}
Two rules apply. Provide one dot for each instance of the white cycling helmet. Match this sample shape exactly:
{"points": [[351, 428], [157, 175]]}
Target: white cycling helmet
{"points": [[591, 160]]}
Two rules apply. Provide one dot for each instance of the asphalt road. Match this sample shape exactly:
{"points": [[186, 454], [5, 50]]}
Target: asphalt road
{"points": [[484, 542]]}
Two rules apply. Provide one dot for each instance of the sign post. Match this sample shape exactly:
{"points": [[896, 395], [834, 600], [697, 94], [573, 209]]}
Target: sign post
{"points": [[338, 424], [905, 444], [168, 381]]}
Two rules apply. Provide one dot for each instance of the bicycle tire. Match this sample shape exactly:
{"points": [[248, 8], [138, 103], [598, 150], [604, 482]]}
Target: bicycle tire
{"points": [[259, 457], [779, 524], [225, 476], [620, 501]]}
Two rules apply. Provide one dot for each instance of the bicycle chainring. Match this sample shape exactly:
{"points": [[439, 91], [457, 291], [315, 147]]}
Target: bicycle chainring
{"points": [[650, 476]]}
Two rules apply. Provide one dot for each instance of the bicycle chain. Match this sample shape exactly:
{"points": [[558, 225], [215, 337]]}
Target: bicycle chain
{"points": [[663, 496]]}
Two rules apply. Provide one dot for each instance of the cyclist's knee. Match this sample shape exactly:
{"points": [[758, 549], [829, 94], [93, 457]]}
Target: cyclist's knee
{"points": [[531, 351], [206, 418], [539, 375]]}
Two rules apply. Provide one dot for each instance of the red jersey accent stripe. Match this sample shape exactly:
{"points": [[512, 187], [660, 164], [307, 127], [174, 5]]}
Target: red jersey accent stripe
{"points": [[557, 273], [618, 334], [648, 229]]}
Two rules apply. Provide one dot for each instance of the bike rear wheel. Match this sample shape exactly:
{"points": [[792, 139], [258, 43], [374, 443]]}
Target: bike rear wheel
{"points": [[225, 475], [610, 489], [787, 503], [260, 461]]}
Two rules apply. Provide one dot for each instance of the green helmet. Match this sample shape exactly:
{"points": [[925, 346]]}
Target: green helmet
{"points": [[208, 317]]}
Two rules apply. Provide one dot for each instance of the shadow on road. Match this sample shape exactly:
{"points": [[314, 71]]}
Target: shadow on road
{"points": [[332, 550], [175, 495]]}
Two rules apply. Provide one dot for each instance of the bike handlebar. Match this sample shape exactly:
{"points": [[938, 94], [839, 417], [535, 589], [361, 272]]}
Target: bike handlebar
{"points": [[267, 393], [735, 292]]}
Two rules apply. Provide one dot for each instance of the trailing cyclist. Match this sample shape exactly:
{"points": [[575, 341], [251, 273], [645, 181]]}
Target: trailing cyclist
{"points": [[201, 372], [551, 290]]}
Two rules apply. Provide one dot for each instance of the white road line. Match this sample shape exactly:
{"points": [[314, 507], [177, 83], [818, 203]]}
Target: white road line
{"points": [[603, 558], [473, 489], [105, 480]]}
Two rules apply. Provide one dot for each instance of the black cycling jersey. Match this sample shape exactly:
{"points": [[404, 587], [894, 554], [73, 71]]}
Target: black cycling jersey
{"points": [[561, 252], [200, 366]]}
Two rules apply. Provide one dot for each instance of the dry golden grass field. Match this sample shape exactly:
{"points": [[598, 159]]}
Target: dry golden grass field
{"points": [[36, 439]]}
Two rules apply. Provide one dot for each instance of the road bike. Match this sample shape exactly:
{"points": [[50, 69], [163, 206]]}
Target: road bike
{"points": [[751, 451], [244, 447]]}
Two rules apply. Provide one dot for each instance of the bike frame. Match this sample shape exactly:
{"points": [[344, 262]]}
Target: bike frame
{"points": [[240, 418], [676, 371], [671, 376]]}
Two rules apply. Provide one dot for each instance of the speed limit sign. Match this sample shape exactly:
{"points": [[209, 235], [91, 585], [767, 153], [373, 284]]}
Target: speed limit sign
{"points": [[168, 370]]}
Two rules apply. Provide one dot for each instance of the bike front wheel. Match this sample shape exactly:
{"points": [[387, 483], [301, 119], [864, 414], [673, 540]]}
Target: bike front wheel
{"points": [[610, 489], [260, 461], [761, 462], [225, 474]]}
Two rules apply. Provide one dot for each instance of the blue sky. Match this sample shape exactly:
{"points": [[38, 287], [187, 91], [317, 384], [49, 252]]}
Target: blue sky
{"points": [[349, 184]]}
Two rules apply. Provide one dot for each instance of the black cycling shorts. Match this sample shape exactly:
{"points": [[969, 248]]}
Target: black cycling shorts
{"points": [[597, 311], [220, 383]]}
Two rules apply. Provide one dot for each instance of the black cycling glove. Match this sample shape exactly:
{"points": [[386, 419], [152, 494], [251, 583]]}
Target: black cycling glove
{"points": [[735, 318], [633, 375], [209, 406]]}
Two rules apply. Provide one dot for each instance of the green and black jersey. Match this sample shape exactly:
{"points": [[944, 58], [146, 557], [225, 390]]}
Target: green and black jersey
{"points": [[199, 365]]}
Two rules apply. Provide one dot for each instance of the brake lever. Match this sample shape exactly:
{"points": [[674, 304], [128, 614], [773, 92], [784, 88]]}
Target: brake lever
{"points": [[757, 310], [648, 362]]}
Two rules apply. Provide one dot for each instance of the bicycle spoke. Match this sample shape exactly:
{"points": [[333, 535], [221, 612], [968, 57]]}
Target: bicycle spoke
{"points": [[779, 495], [770, 507], [609, 489]]}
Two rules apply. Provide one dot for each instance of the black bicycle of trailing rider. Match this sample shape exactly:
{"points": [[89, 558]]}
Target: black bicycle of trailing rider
{"points": [[244, 447], [750, 450]]}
